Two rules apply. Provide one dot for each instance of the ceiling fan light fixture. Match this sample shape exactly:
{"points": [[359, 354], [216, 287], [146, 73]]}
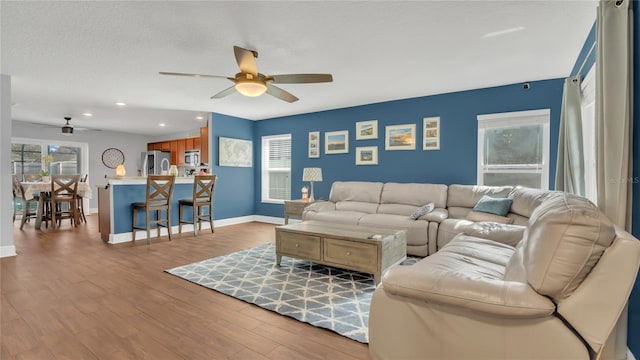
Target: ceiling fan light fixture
{"points": [[251, 88], [67, 129]]}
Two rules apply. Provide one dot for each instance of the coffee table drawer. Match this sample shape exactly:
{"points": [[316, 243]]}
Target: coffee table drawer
{"points": [[353, 254], [298, 245]]}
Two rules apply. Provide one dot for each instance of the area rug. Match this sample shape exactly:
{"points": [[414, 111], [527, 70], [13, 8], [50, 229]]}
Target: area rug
{"points": [[320, 295]]}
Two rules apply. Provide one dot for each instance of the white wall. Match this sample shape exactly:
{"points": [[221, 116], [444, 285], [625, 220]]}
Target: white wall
{"points": [[131, 145], [6, 208]]}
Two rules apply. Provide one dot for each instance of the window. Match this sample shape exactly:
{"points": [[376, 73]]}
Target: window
{"points": [[276, 168], [513, 149], [64, 157], [588, 87]]}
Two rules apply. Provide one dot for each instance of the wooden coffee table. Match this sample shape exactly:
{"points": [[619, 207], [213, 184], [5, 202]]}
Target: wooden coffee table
{"points": [[353, 247]]}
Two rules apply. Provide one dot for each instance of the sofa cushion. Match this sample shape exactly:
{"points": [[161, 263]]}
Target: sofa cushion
{"points": [[483, 216], [341, 217], [525, 200], [502, 233], [491, 205], [467, 196], [567, 234], [417, 230], [414, 194], [363, 191], [359, 206]]}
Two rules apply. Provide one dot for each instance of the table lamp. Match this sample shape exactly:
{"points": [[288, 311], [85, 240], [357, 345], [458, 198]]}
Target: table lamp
{"points": [[311, 175]]}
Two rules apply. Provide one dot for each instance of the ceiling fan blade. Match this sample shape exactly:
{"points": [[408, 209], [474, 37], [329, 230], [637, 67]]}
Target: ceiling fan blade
{"points": [[193, 75], [225, 92], [246, 60], [280, 93], [301, 78]]}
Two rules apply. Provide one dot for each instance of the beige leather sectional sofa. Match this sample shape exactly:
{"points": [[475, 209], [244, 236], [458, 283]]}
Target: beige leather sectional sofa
{"points": [[554, 284]]}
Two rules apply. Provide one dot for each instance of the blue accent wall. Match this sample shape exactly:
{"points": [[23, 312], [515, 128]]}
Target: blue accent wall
{"points": [[455, 162], [234, 192]]}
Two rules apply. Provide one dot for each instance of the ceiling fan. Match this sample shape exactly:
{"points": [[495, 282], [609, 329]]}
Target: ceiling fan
{"points": [[249, 82], [67, 129]]}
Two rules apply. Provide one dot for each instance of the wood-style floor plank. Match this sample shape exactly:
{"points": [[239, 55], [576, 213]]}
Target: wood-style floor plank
{"points": [[68, 295]]}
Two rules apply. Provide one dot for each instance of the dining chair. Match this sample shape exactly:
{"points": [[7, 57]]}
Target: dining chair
{"points": [[80, 201], [203, 186], [28, 208], [64, 189], [159, 191]]}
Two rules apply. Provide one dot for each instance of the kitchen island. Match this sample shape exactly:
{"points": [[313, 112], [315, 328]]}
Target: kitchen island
{"points": [[114, 208]]}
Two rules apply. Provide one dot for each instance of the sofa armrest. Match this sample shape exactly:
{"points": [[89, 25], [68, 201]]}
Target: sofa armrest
{"points": [[509, 299], [503, 233], [319, 206], [437, 215]]}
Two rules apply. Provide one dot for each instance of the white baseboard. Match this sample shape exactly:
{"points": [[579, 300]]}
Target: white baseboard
{"points": [[142, 235], [7, 251]]}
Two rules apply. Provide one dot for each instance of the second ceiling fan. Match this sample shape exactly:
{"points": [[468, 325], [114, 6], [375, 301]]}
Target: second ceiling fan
{"points": [[250, 82]]}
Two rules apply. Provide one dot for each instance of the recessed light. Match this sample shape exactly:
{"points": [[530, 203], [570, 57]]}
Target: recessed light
{"points": [[199, 118], [119, 103], [503, 32], [162, 124], [87, 114]]}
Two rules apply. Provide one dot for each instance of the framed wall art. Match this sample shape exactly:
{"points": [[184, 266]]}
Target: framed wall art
{"points": [[235, 152], [400, 137], [431, 133], [367, 155], [336, 142], [367, 130], [314, 144]]}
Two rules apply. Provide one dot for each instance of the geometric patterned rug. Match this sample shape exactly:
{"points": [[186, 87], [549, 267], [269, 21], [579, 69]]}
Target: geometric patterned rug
{"points": [[320, 295]]}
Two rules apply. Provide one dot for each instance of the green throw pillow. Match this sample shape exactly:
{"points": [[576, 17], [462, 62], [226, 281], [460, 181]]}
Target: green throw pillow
{"points": [[491, 205]]}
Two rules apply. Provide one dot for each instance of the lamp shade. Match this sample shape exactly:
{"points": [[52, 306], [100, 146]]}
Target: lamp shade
{"points": [[312, 174], [120, 171]]}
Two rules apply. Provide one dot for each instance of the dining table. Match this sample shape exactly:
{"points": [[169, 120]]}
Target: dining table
{"points": [[41, 188]]}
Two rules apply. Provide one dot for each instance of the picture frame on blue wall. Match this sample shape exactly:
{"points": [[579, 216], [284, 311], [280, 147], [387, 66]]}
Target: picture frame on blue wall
{"points": [[314, 144], [367, 155], [400, 137], [366, 130], [431, 133], [336, 142]]}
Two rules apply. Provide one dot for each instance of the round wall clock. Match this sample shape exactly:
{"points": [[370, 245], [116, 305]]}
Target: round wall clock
{"points": [[112, 157]]}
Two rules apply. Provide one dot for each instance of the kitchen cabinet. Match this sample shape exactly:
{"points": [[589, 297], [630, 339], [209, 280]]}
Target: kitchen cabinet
{"points": [[204, 145], [174, 151], [181, 148], [188, 144]]}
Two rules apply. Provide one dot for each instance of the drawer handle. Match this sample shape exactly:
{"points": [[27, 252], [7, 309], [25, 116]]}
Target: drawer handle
{"points": [[297, 245], [348, 253]]}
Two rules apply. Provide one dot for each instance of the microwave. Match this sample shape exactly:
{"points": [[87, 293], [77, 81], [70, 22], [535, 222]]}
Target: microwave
{"points": [[192, 157]]}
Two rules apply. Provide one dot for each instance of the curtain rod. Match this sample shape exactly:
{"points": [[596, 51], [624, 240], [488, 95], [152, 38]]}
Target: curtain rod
{"points": [[585, 59]]}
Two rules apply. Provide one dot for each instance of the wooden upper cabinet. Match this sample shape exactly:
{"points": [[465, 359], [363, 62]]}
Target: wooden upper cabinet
{"points": [[174, 151], [196, 144], [165, 146], [204, 145], [181, 148], [151, 146], [188, 144]]}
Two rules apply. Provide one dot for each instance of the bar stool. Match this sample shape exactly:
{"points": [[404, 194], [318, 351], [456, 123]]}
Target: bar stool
{"points": [[203, 186], [159, 191]]}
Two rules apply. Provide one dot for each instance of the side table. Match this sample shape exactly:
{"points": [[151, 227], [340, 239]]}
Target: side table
{"points": [[294, 208]]}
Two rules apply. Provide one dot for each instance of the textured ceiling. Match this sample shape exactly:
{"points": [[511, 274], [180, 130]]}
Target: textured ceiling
{"points": [[66, 58]]}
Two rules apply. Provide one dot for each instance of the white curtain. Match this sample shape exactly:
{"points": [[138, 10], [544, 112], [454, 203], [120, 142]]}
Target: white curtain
{"points": [[570, 166], [614, 76]]}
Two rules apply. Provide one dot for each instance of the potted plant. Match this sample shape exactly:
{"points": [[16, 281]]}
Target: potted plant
{"points": [[45, 171]]}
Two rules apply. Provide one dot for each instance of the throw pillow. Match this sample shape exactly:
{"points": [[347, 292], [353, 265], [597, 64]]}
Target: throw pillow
{"points": [[497, 206], [487, 217], [423, 210]]}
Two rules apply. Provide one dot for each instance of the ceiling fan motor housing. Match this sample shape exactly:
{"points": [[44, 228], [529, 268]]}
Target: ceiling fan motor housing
{"points": [[67, 129]]}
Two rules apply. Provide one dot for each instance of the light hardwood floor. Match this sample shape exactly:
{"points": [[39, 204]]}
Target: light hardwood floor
{"points": [[68, 295]]}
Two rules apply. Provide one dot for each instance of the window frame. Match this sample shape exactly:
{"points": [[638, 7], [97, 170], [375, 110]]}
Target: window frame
{"points": [[265, 171], [513, 119], [44, 148]]}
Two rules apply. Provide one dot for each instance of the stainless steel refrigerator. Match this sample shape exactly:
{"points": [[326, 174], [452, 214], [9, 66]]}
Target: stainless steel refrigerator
{"points": [[155, 162]]}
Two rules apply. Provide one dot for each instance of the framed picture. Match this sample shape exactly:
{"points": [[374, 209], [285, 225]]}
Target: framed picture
{"points": [[431, 133], [336, 142], [367, 130], [314, 144], [235, 152], [400, 137], [367, 155]]}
